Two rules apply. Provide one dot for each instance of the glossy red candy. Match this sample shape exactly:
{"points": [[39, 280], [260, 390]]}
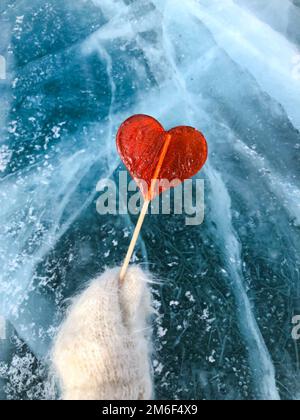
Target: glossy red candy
{"points": [[141, 142]]}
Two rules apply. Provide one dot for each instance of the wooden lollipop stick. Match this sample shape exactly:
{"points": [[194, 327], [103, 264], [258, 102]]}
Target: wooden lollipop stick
{"points": [[134, 240], [144, 210]]}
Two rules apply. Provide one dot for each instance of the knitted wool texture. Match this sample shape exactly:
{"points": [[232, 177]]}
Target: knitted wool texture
{"points": [[102, 349]]}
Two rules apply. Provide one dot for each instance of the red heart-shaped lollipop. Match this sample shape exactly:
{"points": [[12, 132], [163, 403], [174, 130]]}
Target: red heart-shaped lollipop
{"points": [[149, 152]]}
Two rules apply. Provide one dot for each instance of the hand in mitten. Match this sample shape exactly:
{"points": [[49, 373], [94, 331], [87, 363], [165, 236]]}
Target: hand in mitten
{"points": [[102, 349]]}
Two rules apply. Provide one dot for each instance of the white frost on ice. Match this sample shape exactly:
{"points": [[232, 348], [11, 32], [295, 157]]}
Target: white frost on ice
{"points": [[189, 296], [161, 331], [211, 358], [56, 132], [5, 156]]}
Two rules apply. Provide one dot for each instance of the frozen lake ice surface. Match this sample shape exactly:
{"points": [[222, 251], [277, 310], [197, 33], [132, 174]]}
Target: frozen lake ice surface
{"points": [[229, 288]]}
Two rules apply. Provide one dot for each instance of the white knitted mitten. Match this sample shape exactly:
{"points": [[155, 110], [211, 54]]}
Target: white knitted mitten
{"points": [[102, 349]]}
